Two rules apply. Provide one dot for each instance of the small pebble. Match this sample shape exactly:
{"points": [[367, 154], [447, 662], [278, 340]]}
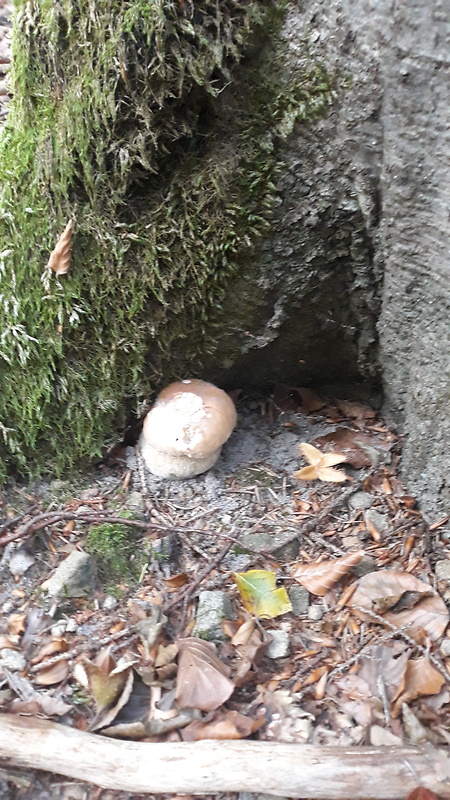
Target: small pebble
{"points": [[315, 613], [109, 602], [442, 570], [59, 629], [445, 648], [71, 626], [299, 597], [11, 659], [360, 501], [135, 502], [279, 646]]}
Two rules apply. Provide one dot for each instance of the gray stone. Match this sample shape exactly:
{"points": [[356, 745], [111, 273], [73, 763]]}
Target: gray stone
{"points": [[212, 608], [135, 502], [299, 597], [381, 737], [11, 659], [73, 578], [444, 648], [366, 565], [20, 561], [109, 602], [360, 501], [442, 570], [315, 612], [415, 732], [279, 543], [279, 646]]}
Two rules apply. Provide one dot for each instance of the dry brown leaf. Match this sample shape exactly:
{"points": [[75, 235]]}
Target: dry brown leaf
{"points": [[16, 623], [223, 725], [385, 663], [250, 644], [41, 703], [319, 577], [321, 464], [429, 616], [421, 678], [59, 260], [56, 645], [422, 794], [203, 679], [108, 714], [176, 581], [55, 674], [360, 448]]}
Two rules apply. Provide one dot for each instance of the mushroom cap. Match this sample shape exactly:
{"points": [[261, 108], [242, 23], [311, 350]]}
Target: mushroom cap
{"points": [[191, 418]]}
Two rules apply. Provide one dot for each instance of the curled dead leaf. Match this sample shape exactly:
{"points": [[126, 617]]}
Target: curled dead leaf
{"points": [[319, 577], [203, 679], [428, 616], [54, 674], [421, 678], [59, 260], [223, 725]]}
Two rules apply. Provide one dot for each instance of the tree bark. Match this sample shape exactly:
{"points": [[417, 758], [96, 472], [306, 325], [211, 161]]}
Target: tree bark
{"points": [[207, 767]]}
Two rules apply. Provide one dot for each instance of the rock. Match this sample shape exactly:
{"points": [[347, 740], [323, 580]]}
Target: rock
{"points": [[11, 659], [444, 648], [73, 578], [280, 645], [315, 612], [361, 501], [379, 521], [415, 732], [367, 564], [279, 543], [299, 597], [380, 737], [109, 602], [442, 570], [213, 607], [20, 561], [135, 502]]}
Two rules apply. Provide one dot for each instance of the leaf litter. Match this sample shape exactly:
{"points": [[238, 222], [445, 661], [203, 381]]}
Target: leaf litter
{"points": [[362, 617]]}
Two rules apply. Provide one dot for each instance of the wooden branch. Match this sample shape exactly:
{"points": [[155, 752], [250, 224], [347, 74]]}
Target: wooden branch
{"points": [[300, 771]]}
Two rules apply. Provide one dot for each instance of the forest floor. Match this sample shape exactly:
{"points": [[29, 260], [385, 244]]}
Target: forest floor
{"points": [[319, 606]]}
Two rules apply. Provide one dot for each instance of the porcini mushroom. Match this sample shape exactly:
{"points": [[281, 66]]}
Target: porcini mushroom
{"points": [[184, 432]]}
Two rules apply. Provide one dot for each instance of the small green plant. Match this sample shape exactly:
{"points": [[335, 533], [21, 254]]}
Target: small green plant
{"points": [[114, 547]]}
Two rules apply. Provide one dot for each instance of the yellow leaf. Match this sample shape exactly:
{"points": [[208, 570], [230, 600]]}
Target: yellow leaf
{"points": [[260, 595]]}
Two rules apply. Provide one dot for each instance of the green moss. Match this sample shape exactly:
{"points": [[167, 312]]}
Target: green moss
{"points": [[114, 548], [154, 125]]}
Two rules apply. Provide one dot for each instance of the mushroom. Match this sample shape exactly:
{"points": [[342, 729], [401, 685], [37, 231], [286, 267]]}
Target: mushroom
{"points": [[184, 432]]}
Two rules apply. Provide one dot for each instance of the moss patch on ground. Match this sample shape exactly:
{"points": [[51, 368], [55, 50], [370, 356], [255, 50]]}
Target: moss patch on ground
{"points": [[114, 548], [153, 125]]}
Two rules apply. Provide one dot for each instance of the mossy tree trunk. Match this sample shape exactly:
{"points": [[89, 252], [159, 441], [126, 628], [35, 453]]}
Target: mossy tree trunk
{"points": [[145, 122]]}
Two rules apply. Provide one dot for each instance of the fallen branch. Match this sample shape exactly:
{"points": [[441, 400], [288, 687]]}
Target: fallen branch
{"points": [[300, 771]]}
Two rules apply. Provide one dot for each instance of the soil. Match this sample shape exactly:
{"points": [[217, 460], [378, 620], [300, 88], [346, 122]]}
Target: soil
{"points": [[187, 543]]}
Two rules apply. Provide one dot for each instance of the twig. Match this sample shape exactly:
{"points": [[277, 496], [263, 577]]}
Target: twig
{"points": [[81, 648], [310, 526], [11, 522], [189, 590]]}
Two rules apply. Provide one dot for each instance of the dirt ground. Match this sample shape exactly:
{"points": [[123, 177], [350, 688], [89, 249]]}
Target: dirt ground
{"points": [[329, 677]]}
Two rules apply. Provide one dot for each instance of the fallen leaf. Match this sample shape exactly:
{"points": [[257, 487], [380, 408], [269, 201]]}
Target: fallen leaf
{"points": [[357, 411], [386, 663], [104, 688], [106, 715], [54, 674], [203, 679], [320, 576], [16, 623], [223, 725], [422, 794], [421, 678], [429, 616], [259, 594], [41, 703], [59, 260], [250, 644], [176, 581], [361, 449], [321, 464], [56, 645]]}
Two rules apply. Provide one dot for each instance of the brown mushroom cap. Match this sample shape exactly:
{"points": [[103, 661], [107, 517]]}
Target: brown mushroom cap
{"points": [[191, 418]]}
